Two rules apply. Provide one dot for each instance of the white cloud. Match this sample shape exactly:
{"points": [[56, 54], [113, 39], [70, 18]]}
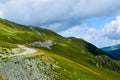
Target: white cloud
{"points": [[49, 12], [58, 26], [112, 29], [80, 31], [92, 29], [98, 37], [1, 14], [87, 33]]}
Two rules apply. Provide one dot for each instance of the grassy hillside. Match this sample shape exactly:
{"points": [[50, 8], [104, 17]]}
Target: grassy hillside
{"points": [[16, 33], [76, 59]]}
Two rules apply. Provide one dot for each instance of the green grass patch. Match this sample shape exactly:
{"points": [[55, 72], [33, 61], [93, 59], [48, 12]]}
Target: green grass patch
{"points": [[6, 44]]}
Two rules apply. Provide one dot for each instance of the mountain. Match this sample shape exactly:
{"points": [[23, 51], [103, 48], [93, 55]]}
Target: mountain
{"points": [[34, 53], [113, 51]]}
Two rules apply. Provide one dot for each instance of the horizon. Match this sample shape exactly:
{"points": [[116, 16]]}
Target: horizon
{"points": [[97, 22]]}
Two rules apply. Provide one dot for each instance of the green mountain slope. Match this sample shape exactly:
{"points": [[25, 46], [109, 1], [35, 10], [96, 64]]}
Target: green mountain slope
{"points": [[33, 53], [16, 33]]}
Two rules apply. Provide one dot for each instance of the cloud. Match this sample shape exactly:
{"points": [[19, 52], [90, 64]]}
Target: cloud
{"points": [[98, 37], [81, 31], [36, 11], [58, 26], [1, 14], [112, 29], [87, 33], [51, 12]]}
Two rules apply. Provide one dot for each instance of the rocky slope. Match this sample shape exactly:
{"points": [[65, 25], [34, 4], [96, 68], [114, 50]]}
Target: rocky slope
{"points": [[19, 68]]}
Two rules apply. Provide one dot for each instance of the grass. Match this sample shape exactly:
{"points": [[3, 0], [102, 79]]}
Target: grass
{"points": [[16, 33], [71, 70], [6, 44], [2, 78], [84, 71]]}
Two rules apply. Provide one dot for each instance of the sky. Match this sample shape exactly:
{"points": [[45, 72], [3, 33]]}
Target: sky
{"points": [[96, 21]]}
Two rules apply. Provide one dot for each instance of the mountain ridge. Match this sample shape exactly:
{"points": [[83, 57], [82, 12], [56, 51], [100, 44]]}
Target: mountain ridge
{"points": [[113, 51], [57, 57]]}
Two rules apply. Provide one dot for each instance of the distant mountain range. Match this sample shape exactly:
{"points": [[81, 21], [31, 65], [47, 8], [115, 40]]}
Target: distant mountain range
{"points": [[34, 53], [113, 51]]}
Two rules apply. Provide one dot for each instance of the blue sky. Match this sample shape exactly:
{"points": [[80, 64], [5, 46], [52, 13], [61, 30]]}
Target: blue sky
{"points": [[99, 22], [96, 21]]}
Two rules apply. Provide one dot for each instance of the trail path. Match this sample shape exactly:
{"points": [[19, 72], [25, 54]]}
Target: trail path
{"points": [[25, 52]]}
